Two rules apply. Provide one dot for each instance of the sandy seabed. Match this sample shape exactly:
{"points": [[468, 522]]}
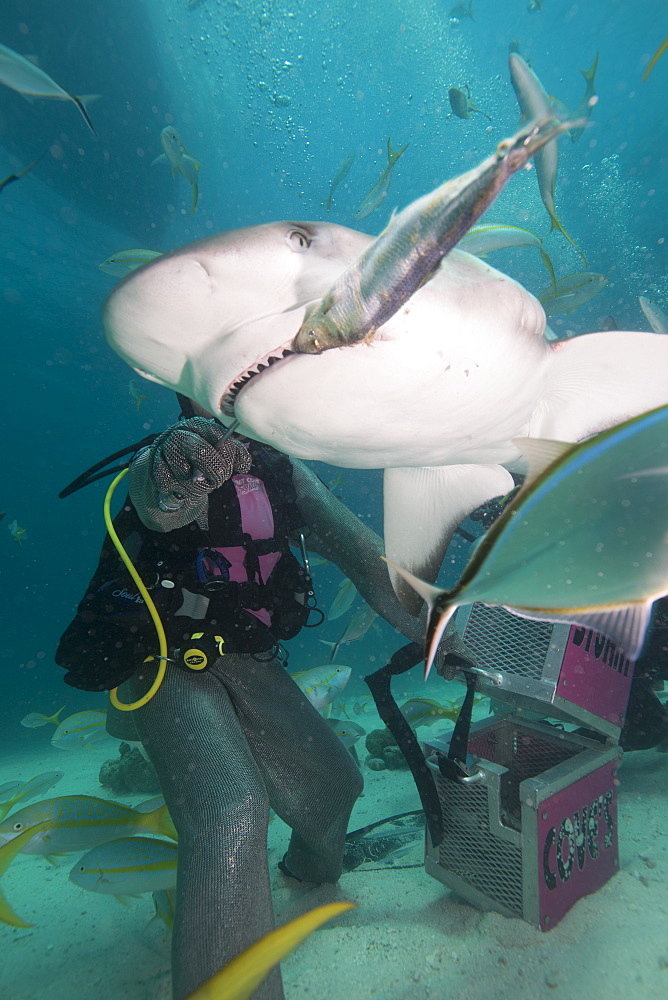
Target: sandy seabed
{"points": [[409, 938]]}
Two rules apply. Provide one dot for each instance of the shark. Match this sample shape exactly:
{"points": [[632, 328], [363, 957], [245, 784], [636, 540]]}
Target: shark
{"points": [[436, 397]]}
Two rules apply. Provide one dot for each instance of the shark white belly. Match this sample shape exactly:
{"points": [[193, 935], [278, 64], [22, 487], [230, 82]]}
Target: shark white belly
{"points": [[435, 397]]}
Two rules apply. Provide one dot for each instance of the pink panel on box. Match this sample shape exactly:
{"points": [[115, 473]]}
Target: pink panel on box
{"points": [[595, 674], [577, 842]]}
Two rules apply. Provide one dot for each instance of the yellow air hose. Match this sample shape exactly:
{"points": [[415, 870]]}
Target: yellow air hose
{"points": [[162, 638]]}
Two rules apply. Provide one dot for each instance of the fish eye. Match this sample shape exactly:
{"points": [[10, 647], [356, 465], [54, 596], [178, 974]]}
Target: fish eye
{"points": [[17, 827], [298, 240]]}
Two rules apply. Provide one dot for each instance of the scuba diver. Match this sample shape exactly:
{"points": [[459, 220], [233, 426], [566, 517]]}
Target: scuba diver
{"points": [[208, 525]]}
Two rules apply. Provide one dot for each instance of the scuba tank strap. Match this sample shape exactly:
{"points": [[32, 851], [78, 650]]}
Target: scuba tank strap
{"points": [[379, 683]]}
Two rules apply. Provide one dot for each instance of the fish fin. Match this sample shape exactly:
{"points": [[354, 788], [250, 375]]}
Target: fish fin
{"points": [[590, 73], [540, 453], [484, 113], [440, 611], [239, 979], [598, 380], [7, 915], [196, 164], [626, 626], [195, 197], [394, 154], [160, 159], [555, 224], [545, 257], [422, 508], [8, 852], [81, 103]]}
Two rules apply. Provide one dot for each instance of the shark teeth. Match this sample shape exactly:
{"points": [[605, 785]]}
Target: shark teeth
{"points": [[228, 398]]}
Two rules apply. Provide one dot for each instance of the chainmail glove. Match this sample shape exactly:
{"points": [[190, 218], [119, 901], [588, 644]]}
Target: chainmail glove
{"points": [[170, 481]]}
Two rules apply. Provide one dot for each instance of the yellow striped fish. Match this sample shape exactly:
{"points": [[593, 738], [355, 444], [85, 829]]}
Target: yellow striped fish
{"points": [[83, 729], [7, 855], [239, 979], [21, 791], [121, 263], [127, 866], [571, 291], [79, 822], [493, 236]]}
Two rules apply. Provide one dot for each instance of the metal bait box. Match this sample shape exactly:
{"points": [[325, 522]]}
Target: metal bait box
{"points": [[530, 825]]}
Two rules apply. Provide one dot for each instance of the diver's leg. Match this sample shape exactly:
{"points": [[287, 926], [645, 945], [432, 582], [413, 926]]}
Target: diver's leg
{"points": [[219, 805], [311, 777]]}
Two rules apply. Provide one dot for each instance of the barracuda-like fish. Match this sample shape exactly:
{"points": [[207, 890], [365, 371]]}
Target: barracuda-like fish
{"points": [[408, 252]]}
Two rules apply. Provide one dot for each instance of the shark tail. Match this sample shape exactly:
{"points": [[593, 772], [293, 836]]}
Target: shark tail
{"points": [[81, 103]]}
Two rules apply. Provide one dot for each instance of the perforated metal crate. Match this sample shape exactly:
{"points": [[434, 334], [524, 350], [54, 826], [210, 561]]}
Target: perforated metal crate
{"points": [[565, 671], [534, 828]]}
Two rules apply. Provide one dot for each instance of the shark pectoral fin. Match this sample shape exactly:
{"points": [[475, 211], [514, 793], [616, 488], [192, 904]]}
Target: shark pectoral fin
{"points": [[423, 506], [598, 380]]}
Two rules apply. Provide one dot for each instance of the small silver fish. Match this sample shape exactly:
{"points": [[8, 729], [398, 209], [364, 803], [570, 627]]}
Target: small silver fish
{"points": [[409, 250], [26, 78], [588, 101], [461, 10], [21, 173], [179, 159], [125, 261], [348, 732], [342, 172], [571, 291], [460, 102], [381, 187], [655, 316], [127, 866]]}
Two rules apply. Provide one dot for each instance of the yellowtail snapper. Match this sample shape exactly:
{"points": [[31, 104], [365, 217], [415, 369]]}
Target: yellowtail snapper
{"points": [[584, 541], [127, 866], [80, 822], [408, 252]]}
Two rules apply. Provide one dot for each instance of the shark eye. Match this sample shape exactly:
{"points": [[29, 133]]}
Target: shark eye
{"points": [[298, 240]]}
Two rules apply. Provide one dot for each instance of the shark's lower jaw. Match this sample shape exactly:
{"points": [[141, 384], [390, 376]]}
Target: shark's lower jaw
{"points": [[228, 398]]}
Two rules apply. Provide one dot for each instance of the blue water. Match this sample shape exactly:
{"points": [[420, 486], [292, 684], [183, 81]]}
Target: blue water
{"points": [[270, 97]]}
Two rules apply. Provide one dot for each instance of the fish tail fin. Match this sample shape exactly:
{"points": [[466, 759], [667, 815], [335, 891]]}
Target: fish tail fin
{"points": [[545, 257], [441, 610], [394, 154], [7, 915], [484, 113], [590, 73], [241, 977], [81, 103], [655, 58], [195, 197], [159, 821], [557, 225]]}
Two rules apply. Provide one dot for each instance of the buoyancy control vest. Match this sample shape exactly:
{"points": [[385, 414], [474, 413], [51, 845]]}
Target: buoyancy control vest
{"points": [[236, 579]]}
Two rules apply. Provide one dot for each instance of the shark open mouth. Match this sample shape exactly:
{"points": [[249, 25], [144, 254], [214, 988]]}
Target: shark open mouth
{"points": [[228, 398]]}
